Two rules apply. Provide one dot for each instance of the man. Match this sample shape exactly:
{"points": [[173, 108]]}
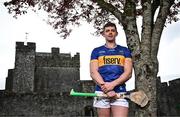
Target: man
{"points": [[110, 68]]}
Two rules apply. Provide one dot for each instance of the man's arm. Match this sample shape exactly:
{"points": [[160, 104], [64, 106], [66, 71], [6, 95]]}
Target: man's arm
{"points": [[98, 79], [123, 78], [95, 74], [127, 73]]}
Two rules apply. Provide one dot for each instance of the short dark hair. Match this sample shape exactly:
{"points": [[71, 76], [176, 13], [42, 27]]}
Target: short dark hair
{"points": [[109, 24]]}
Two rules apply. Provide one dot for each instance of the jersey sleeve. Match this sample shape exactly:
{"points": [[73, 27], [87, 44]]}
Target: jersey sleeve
{"points": [[94, 55], [127, 53]]}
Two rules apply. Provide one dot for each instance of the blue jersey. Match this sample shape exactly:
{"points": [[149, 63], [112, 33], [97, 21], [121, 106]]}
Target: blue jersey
{"points": [[111, 63]]}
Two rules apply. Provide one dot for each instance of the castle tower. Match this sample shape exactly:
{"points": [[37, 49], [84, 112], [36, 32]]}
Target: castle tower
{"points": [[23, 80]]}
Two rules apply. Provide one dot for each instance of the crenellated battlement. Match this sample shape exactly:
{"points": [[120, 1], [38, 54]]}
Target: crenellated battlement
{"points": [[175, 82], [55, 51], [21, 47]]}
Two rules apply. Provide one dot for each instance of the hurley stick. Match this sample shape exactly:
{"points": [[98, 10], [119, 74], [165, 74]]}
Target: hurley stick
{"points": [[138, 97]]}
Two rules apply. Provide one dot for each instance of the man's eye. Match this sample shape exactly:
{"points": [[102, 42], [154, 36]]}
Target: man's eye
{"points": [[113, 30], [107, 30]]}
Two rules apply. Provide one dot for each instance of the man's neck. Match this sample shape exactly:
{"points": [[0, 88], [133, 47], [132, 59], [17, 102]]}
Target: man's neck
{"points": [[110, 45]]}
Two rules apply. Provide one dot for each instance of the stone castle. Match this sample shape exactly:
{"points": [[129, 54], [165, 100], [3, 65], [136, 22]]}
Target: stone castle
{"points": [[40, 83], [38, 72]]}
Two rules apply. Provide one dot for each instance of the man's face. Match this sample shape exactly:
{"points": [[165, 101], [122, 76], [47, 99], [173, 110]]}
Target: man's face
{"points": [[109, 33]]}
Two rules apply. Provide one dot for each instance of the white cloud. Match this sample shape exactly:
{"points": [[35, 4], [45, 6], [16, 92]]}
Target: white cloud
{"points": [[169, 60]]}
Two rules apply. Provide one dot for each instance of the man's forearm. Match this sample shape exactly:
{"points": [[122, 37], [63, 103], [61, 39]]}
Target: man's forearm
{"points": [[97, 78], [126, 75], [122, 79]]}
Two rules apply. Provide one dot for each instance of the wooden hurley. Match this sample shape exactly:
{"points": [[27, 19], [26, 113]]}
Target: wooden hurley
{"points": [[138, 97]]}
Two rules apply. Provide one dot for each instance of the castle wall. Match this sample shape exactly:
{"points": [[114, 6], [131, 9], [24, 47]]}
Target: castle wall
{"points": [[173, 95], [23, 78], [163, 102], [9, 80], [44, 105], [56, 59], [56, 79], [87, 86], [50, 60], [169, 98]]}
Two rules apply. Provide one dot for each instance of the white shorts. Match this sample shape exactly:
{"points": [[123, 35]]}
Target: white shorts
{"points": [[107, 103]]}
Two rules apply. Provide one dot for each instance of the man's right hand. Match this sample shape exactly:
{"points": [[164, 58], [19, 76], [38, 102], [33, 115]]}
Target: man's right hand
{"points": [[111, 94], [107, 86]]}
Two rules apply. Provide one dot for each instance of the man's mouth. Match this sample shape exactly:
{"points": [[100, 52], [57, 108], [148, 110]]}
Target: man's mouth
{"points": [[110, 36]]}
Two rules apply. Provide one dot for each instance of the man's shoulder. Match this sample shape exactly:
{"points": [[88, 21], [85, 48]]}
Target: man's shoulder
{"points": [[122, 47], [99, 47]]}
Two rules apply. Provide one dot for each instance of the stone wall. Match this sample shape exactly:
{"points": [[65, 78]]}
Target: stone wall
{"points": [[44, 105], [55, 79], [23, 77], [169, 98], [9, 80]]}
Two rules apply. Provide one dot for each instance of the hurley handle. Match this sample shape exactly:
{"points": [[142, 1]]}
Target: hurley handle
{"points": [[118, 95]]}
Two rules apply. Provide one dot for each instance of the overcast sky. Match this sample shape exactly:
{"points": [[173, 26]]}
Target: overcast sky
{"points": [[81, 40]]}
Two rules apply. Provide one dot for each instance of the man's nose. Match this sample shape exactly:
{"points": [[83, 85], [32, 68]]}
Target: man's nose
{"points": [[110, 32]]}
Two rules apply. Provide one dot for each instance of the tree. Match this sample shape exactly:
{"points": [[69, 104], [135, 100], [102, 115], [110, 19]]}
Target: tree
{"points": [[155, 14]]}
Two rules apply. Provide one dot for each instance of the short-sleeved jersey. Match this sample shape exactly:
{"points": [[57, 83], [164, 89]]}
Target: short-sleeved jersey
{"points": [[111, 63]]}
